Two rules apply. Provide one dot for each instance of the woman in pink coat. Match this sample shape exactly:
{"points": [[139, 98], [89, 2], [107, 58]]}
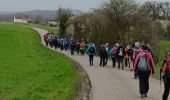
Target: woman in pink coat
{"points": [[143, 66]]}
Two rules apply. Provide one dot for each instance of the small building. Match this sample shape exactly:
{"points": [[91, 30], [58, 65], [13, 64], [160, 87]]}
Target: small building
{"points": [[52, 23], [21, 18]]}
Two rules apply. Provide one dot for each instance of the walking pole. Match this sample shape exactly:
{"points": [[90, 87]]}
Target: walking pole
{"points": [[160, 80]]}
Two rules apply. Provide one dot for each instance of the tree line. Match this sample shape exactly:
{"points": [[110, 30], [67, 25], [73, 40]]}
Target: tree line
{"points": [[121, 21]]}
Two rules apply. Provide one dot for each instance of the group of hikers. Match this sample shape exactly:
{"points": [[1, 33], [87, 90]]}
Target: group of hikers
{"points": [[65, 43], [138, 58]]}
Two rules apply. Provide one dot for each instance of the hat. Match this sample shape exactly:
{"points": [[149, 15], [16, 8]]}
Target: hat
{"points": [[117, 44], [137, 44]]}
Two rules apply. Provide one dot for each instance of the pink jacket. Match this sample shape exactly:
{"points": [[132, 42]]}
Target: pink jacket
{"points": [[150, 60]]}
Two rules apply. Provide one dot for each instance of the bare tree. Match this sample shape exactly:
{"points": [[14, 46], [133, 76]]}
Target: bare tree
{"points": [[120, 12]]}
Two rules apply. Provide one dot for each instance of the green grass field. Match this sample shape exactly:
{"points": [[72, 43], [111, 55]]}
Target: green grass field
{"points": [[46, 27], [30, 71], [164, 46]]}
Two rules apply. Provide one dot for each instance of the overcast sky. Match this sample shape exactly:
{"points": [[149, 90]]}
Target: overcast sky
{"points": [[24, 5]]}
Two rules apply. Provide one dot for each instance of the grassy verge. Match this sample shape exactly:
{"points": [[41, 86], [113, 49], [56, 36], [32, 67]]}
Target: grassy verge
{"points": [[29, 71], [164, 46]]}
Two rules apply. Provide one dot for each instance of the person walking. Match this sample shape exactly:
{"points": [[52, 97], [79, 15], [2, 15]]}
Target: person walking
{"points": [[50, 39], [136, 51], [107, 50], [120, 56], [55, 42], [65, 44], [166, 76], [72, 46], [103, 54], [112, 54], [46, 39], [91, 50], [143, 66], [77, 46], [82, 47], [127, 56]]}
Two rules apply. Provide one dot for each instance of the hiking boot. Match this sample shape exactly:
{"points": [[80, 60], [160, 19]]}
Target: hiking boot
{"points": [[119, 67], [142, 96], [145, 95]]}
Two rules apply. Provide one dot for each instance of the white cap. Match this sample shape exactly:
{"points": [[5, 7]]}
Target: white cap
{"points": [[117, 44], [137, 44], [107, 44], [128, 47]]}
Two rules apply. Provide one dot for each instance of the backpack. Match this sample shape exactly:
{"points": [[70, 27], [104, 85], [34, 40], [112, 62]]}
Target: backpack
{"points": [[121, 52], [92, 50], [127, 53], [82, 45], [103, 51], [65, 42], [143, 63], [114, 50]]}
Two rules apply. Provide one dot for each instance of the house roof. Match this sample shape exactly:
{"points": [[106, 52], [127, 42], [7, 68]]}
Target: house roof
{"points": [[21, 16]]}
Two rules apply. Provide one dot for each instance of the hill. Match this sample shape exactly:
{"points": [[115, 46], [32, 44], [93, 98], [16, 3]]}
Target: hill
{"points": [[45, 14]]}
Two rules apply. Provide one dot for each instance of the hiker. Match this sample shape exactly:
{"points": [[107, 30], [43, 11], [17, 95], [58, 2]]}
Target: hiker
{"points": [[62, 44], [166, 76], [78, 46], [86, 45], [136, 51], [58, 43], [117, 46], [120, 56], [72, 46], [82, 48], [127, 56], [103, 54], [50, 39], [91, 50], [46, 39], [107, 50], [112, 53], [131, 56], [143, 66], [66, 44], [55, 42]]}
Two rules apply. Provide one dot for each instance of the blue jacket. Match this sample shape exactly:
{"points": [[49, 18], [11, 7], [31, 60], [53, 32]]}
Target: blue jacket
{"points": [[88, 49]]}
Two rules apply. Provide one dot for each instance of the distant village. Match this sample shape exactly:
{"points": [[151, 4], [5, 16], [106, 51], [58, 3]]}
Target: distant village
{"points": [[23, 18]]}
